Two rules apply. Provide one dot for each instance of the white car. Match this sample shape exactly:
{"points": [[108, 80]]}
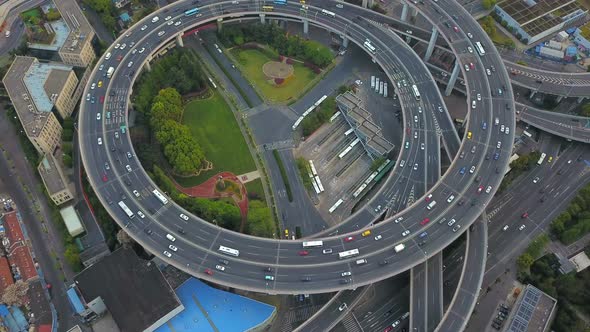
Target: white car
{"points": [[406, 232], [140, 214], [398, 220], [136, 193], [342, 307], [339, 5], [142, 50], [183, 216], [440, 109], [161, 33], [507, 131], [170, 22], [415, 167], [496, 121], [97, 116], [130, 64], [469, 35], [101, 67], [155, 19], [478, 97], [415, 117], [499, 145], [123, 46], [118, 45], [421, 146], [220, 267], [488, 189], [466, 68], [177, 23], [419, 109], [505, 228], [521, 227], [502, 128], [167, 254], [92, 86], [167, 18], [100, 141], [473, 104], [472, 169], [535, 180], [172, 247], [489, 72], [348, 273], [469, 49], [128, 168], [415, 134], [378, 237], [143, 27], [134, 51], [450, 199]]}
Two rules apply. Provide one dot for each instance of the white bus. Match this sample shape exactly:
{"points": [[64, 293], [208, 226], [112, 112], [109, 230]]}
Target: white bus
{"points": [[479, 48], [313, 171], [160, 197], [348, 253], [370, 47], [313, 244], [126, 209], [328, 13], [431, 205], [416, 92], [229, 251], [349, 131], [543, 155], [336, 205]]}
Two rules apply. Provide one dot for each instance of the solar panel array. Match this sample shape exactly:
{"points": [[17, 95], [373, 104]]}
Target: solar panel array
{"points": [[521, 320]]}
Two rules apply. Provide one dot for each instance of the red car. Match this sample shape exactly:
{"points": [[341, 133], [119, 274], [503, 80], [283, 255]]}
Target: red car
{"points": [[119, 57], [348, 239], [455, 29], [471, 65], [101, 99], [303, 253], [408, 130], [428, 197], [388, 329], [209, 272], [425, 221], [525, 215], [104, 178], [479, 189]]}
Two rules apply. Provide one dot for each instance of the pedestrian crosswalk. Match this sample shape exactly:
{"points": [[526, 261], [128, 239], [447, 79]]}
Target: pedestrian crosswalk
{"points": [[350, 324], [294, 317]]}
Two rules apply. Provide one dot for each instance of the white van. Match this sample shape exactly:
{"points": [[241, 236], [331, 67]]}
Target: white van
{"points": [[431, 205], [170, 237], [107, 56], [361, 261]]}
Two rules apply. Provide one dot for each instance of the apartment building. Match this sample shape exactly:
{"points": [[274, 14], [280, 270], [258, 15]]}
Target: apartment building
{"points": [[54, 180]]}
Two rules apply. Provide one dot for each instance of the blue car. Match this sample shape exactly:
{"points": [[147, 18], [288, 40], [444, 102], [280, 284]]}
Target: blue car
{"points": [[462, 171], [423, 235], [496, 156], [484, 125]]}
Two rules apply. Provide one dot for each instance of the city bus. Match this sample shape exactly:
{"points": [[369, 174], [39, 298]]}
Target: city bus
{"points": [[280, 2], [160, 197], [369, 47], [416, 92], [229, 251], [328, 13], [191, 12], [479, 48], [348, 253], [267, 8], [124, 207], [313, 244], [543, 155]]}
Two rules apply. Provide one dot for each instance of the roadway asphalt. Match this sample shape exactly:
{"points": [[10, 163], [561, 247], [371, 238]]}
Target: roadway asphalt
{"points": [[564, 125], [197, 248], [545, 81]]}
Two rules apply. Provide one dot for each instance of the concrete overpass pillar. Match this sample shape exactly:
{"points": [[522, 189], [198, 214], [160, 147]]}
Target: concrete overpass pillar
{"points": [[262, 18], [414, 13], [453, 78], [344, 41], [147, 65], [431, 44], [219, 24], [533, 93], [581, 99], [306, 26], [559, 99], [405, 12], [179, 41]]}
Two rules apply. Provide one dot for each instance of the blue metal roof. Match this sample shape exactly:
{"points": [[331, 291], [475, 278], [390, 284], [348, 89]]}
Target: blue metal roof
{"points": [[75, 300]]}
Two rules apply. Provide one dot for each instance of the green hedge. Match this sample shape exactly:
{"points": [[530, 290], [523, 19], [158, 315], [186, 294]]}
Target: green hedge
{"points": [[279, 161]]}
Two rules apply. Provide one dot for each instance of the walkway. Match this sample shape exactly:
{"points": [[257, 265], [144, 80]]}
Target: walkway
{"points": [[207, 190]]}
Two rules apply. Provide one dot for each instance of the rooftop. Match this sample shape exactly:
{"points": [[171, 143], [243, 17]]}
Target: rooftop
{"points": [[61, 30], [6, 278], [51, 175], [18, 251], [26, 82], [542, 15], [211, 309], [532, 311], [134, 290], [39, 303], [79, 27]]}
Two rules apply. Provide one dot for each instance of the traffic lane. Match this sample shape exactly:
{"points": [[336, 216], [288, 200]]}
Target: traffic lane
{"points": [[418, 297], [434, 286]]}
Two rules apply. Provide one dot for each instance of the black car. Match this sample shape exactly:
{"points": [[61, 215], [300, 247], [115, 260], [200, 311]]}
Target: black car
{"points": [[181, 231], [306, 278], [148, 231]]}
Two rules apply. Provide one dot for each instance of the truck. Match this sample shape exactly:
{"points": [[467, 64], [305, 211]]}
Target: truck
{"points": [[110, 72], [399, 247]]}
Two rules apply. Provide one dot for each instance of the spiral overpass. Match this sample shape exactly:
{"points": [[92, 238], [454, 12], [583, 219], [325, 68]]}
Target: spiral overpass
{"points": [[197, 248]]}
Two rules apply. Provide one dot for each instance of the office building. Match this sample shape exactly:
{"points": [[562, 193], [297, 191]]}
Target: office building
{"points": [[77, 49], [54, 180]]}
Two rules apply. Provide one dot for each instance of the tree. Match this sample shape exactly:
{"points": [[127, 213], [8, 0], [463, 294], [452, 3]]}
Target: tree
{"points": [[72, 255], [16, 294], [67, 160], [259, 220], [52, 15], [524, 261], [124, 239]]}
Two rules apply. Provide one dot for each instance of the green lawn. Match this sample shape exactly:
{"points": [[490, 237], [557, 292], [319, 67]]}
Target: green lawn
{"points": [[251, 62], [256, 187], [35, 12], [213, 125]]}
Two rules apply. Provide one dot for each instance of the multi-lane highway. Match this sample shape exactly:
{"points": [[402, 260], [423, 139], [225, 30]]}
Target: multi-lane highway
{"points": [[275, 266]]}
